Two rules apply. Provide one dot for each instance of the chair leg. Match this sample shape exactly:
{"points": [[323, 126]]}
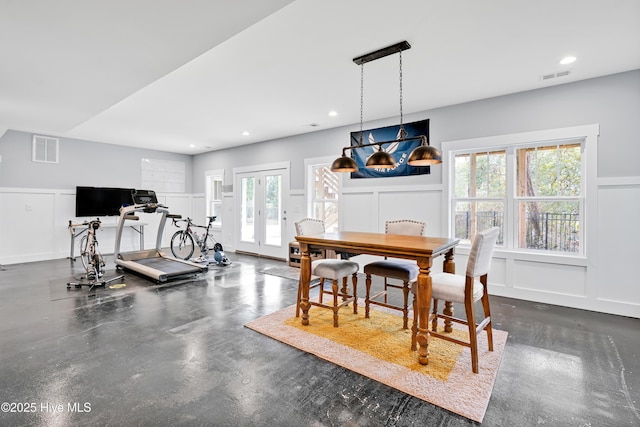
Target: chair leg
{"points": [[368, 294], [405, 307], [321, 286], [354, 281], [487, 315], [344, 289], [448, 310], [414, 328], [434, 321], [334, 288], [473, 337], [386, 292], [298, 300]]}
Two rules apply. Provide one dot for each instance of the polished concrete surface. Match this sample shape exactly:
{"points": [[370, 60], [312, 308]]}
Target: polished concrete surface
{"points": [[178, 354]]}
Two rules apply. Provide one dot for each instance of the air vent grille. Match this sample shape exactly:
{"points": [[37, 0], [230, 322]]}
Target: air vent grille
{"points": [[555, 75]]}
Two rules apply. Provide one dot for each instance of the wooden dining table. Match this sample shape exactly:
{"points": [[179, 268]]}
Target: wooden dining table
{"points": [[423, 249]]}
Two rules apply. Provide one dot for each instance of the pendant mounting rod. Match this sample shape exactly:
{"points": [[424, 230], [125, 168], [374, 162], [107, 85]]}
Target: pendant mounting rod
{"points": [[381, 53]]}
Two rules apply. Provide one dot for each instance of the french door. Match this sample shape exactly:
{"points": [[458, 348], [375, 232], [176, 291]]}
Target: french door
{"points": [[260, 209]]}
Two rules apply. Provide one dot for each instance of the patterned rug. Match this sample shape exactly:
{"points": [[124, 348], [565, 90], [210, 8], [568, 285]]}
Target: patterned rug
{"points": [[379, 348], [292, 273]]}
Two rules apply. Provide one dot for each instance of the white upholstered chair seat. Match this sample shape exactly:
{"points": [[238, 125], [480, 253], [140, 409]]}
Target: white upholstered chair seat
{"points": [[333, 269], [450, 287]]}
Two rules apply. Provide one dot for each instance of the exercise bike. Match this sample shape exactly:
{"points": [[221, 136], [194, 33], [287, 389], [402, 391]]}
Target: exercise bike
{"points": [[92, 259]]}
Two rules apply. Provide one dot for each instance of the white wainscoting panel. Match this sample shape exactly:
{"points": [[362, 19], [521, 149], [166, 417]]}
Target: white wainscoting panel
{"points": [[28, 226], [360, 212], [551, 278], [422, 206], [619, 221]]}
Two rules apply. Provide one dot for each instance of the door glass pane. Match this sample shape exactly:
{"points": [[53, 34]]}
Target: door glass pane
{"points": [[247, 231], [273, 203]]}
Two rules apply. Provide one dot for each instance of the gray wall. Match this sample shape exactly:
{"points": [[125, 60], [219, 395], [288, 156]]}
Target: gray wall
{"points": [[611, 101], [81, 163]]}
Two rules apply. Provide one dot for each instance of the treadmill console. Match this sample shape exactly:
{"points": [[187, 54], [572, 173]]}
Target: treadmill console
{"points": [[147, 198]]}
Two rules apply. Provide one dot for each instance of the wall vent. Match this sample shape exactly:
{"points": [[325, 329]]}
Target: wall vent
{"points": [[554, 75], [44, 149]]}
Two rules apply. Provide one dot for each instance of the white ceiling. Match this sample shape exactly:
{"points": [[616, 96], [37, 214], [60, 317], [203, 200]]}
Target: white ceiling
{"points": [[168, 74]]}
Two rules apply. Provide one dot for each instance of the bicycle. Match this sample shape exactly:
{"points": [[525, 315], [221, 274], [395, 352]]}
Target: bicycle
{"points": [[92, 260], [183, 242]]}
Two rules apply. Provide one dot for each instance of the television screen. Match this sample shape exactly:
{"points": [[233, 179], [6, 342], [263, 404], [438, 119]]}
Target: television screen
{"points": [[102, 201]]}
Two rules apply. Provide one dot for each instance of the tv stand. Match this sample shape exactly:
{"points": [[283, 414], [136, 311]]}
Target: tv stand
{"points": [[76, 230]]}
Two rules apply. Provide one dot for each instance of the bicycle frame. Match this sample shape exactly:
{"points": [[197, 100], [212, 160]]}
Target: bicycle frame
{"points": [[92, 260], [89, 253]]}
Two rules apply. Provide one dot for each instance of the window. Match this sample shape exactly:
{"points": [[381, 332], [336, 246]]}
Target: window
{"points": [[323, 194], [213, 186], [532, 186], [480, 193]]}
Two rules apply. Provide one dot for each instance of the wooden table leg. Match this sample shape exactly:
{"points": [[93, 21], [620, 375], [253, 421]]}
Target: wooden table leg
{"points": [[448, 267], [423, 298], [305, 280]]}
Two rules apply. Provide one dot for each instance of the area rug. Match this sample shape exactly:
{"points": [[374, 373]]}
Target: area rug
{"points": [[292, 273], [379, 348]]}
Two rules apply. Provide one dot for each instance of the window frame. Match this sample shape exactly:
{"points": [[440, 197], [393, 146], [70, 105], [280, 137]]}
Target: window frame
{"points": [[50, 149], [209, 176], [510, 142], [309, 175]]}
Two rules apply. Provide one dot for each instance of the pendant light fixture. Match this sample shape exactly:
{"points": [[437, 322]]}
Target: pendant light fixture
{"points": [[381, 159]]}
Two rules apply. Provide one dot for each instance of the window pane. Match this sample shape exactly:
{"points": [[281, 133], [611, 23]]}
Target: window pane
{"points": [[215, 209], [473, 217], [549, 171], [462, 174], [217, 189], [552, 226], [326, 184], [489, 174], [328, 212]]}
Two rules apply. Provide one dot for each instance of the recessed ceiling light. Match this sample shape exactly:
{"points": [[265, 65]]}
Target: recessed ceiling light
{"points": [[568, 60], [333, 113], [245, 133], [192, 145]]}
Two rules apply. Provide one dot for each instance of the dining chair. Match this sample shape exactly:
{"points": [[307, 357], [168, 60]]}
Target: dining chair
{"points": [[466, 290], [395, 269], [332, 269]]}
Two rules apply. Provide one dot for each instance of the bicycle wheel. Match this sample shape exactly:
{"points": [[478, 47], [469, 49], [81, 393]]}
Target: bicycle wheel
{"points": [[85, 256], [211, 244], [98, 265], [182, 245]]}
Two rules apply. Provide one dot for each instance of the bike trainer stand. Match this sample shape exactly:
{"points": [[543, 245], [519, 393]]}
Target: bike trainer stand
{"points": [[84, 281]]}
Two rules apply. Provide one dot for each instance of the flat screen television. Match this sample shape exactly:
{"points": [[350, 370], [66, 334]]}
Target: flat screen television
{"points": [[102, 201]]}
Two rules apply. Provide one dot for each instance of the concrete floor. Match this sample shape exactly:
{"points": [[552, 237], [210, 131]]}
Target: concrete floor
{"points": [[179, 355]]}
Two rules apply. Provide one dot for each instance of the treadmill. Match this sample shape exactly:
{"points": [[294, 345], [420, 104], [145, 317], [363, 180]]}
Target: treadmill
{"points": [[153, 263]]}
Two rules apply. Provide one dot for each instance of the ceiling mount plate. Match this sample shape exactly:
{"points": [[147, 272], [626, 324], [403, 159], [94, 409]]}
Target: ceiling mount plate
{"points": [[381, 53]]}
